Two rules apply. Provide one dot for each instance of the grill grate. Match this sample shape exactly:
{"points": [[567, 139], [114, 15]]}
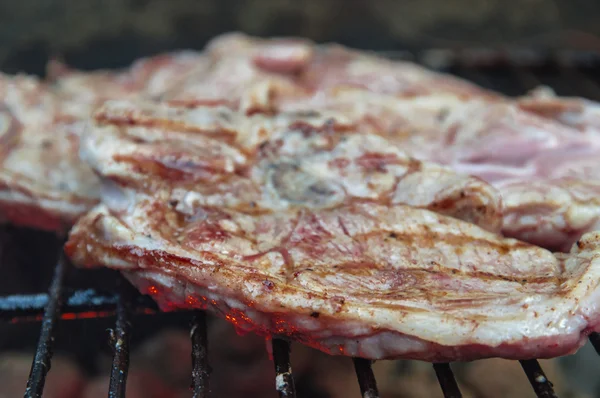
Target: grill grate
{"points": [[120, 342], [43, 354], [366, 379], [541, 385], [511, 73], [284, 381], [200, 368], [447, 380], [595, 340]]}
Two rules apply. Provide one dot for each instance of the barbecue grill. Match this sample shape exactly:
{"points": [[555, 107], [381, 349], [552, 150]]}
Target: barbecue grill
{"points": [[514, 72]]}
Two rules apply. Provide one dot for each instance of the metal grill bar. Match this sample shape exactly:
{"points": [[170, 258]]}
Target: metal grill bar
{"points": [[447, 380], [540, 383], [366, 379], [200, 367], [43, 354], [284, 380], [76, 304], [120, 342], [595, 340]]}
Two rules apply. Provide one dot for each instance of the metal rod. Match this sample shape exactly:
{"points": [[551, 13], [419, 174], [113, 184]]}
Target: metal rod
{"points": [[595, 340], [284, 380], [43, 354], [120, 342], [447, 380], [366, 379], [76, 305], [200, 367], [540, 383]]}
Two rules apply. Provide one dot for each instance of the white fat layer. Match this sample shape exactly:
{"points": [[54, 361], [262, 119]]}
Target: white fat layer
{"points": [[558, 317], [350, 338]]}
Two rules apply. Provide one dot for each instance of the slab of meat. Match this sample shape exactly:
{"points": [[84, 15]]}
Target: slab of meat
{"points": [[453, 130], [557, 201], [369, 280], [431, 116], [259, 74], [551, 198], [219, 157], [526, 157], [579, 113], [150, 76], [297, 225], [43, 182], [518, 151], [551, 212]]}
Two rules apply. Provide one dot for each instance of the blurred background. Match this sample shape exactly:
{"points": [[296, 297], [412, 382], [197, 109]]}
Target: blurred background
{"points": [[109, 33], [92, 34]]}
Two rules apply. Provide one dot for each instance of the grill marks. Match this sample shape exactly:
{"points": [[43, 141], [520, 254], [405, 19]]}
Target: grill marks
{"points": [[313, 238], [355, 279], [283, 161], [378, 162], [169, 122], [175, 167], [312, 245]]}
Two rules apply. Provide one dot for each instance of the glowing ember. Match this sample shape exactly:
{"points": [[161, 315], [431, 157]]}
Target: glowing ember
{"points": [[190, 300], [281, 326]]}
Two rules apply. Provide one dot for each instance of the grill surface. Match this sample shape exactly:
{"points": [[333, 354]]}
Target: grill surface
{"points": [[512, 73]]}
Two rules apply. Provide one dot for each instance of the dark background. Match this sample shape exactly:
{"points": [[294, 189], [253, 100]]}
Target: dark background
{"points": [[112, 33]]}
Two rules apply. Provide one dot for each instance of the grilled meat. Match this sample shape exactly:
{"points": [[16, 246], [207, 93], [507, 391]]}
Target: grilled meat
{"points": [[431, 116], [43, 182], [359, 279], [298, 225], [322, 194], [215, 156], [579, 113], [260, 74], [551, 212], [546, 170]]}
